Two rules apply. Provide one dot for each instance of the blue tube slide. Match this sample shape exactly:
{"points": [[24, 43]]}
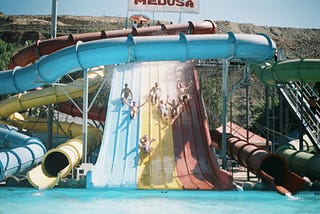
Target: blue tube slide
{"points": [[21, 154], [48, 69]]}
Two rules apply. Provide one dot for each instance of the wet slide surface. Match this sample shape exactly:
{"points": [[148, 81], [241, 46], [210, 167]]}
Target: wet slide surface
{"points": [[156, 170], [196, 167], [117, 161], [180, 158]]}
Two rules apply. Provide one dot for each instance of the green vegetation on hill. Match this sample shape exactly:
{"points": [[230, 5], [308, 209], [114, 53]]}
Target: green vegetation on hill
{"points": [[6, 52]]}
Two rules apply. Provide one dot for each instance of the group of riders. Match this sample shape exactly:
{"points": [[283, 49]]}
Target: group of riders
{"points": [[173, 106]]}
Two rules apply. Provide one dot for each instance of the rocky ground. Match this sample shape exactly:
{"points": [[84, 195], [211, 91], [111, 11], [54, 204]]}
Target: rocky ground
{"points": [[295, 42]]}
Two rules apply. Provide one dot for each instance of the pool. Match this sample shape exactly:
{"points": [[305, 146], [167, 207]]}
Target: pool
{"points": [[77, 201]]}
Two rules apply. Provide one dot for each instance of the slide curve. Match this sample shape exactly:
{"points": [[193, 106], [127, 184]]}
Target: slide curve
{"points": [[32, 53], [19, 152], [10, 107], [305, 70], [56, 95], [271, 168], [250, 48], [300, 162]]}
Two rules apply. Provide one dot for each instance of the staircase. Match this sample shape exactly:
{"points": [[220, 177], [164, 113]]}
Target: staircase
{"points": [[298, 96]]}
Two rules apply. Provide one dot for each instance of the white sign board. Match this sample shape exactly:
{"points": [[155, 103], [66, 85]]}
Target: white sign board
{"points": [[181, 6]]}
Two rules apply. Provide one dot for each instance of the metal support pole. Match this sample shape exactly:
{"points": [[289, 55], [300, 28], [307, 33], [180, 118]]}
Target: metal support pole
{"points": [[267, 118], [54, 18], [247, 79], [247, 109], [50, 106], [50, 125], [85, 116], [281, 113], [301, 126], [273, 120], [224, 113]]}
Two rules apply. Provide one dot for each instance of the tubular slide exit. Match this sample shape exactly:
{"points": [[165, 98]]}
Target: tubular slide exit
{"points": [[18, 153]]}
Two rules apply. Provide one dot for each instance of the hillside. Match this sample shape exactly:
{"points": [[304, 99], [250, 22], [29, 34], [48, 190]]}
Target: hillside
{"points": [[296, 43]]}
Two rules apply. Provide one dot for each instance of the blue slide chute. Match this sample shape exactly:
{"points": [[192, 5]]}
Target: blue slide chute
{"points": [[246, 47]]}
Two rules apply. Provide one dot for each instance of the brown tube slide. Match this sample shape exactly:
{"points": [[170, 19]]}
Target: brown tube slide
{"points": [[271, 168], [95, 113], [45, 47]]}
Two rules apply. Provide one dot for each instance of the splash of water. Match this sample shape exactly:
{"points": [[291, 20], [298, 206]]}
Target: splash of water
{"points": [[238, 187], [291, 197]]}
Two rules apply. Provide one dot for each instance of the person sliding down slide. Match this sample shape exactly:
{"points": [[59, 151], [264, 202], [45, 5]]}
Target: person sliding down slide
{"points": [[125, 93], [155, 93], [134, 107]]}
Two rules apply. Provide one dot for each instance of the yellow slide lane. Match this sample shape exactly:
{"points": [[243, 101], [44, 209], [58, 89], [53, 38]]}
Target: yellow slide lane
{"points": [[157, 169]]}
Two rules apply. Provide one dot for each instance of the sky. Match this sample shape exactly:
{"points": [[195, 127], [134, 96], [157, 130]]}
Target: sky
{"points": [[280, 13]]}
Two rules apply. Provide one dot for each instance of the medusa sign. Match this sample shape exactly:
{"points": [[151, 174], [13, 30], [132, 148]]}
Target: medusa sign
{"points": [[182, 6]]}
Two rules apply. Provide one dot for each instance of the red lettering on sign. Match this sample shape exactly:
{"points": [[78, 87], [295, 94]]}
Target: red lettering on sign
{"points": [[152, 2], [162, 2], [179, 3]]}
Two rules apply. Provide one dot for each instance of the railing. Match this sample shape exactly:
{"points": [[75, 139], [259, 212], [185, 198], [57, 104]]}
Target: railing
{"points": [[298, 96]]}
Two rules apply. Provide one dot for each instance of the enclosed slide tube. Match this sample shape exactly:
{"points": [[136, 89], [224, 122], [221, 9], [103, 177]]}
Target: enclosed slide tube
{"points": [[59, 162], [271, 168], [300, 162], [251, 48], [21, 154], [305, 70], [49, 95], [65, 129], [46, 47], [95, 113]]}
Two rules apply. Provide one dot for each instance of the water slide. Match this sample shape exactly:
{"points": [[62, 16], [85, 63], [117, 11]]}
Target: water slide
{"points": [[96, 113], [179, 160], [305, 70], [156, 170], [196, 166], [117, 161], [247, 47], [32, 53], [251, 48], [19, 152], [20, 102], [59, 162], [301, 162], [58, 94], [271, 168]]}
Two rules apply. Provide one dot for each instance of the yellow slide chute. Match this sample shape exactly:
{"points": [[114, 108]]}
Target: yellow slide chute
{"points": [[50, 95], [57, 163], [157, 169]]}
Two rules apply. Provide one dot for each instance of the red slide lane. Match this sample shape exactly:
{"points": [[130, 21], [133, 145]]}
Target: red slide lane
{"points": [[45, 47], [196, 167]]}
